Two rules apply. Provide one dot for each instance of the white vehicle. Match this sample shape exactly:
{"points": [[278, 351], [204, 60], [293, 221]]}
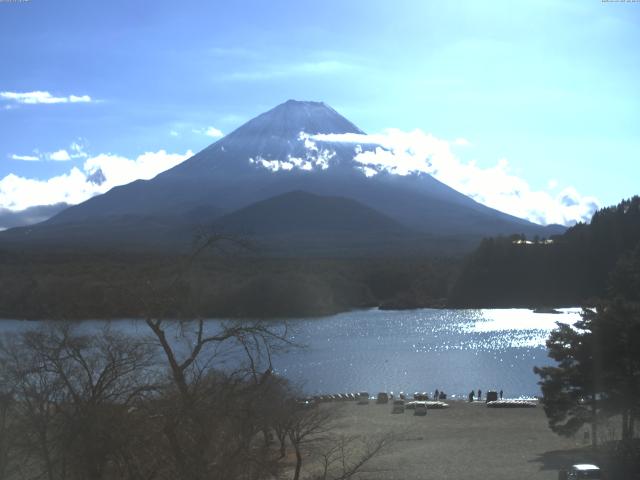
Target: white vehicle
{"points": [[580, 471]]}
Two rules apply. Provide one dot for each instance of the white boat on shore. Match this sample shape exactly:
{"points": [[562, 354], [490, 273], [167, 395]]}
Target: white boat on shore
{"points": [[512, 404], [431, 405]]}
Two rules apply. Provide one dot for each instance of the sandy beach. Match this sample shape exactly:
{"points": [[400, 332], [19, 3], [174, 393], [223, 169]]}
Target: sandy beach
{"points": [[465, 441]]}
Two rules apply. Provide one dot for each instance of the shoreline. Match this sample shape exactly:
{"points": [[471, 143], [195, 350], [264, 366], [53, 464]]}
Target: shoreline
{"points": [[556, 310]]}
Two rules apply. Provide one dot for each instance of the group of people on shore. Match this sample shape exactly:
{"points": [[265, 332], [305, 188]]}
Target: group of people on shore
{"points": [[472, 395], [439, 395]]}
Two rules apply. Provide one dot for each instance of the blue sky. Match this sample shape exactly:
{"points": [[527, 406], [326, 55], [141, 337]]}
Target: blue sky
{"points": [[546, 91]]}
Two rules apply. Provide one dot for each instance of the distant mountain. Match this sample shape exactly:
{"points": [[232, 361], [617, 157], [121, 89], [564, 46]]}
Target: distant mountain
{"points": [[272, 155], [302, 212], [302, 223], [30, 215]]}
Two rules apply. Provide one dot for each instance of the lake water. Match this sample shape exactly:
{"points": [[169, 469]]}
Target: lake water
{"points": [[418, 350], [421, 350]]}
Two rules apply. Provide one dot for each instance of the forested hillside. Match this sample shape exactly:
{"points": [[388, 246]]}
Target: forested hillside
{"points": [[77, 286], [568, 269]]}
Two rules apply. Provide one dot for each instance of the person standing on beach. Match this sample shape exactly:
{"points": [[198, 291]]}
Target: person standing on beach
{"points": [[500, 394], [471, 393], [479, 394], [436, 395]]}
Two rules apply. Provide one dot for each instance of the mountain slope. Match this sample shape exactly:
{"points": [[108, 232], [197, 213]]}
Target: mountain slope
{"points": [[302, 223], [302, 212], [268, 156]]}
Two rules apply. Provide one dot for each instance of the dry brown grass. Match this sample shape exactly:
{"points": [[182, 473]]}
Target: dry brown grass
{"points": [[465, 441]]}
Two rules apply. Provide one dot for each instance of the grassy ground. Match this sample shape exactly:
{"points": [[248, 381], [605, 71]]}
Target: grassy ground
{"points": [[465, 441]]}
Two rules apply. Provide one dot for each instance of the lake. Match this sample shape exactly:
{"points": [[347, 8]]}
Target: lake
{"points": [[454, 351], [421, 350]]}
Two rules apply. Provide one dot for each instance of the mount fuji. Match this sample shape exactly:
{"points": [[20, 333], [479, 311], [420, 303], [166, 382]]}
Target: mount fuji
{"points": [[276, 180]]}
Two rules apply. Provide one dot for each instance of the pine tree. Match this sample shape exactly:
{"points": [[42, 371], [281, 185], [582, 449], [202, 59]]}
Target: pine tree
{"points": [[598, 370], [570, 389]]}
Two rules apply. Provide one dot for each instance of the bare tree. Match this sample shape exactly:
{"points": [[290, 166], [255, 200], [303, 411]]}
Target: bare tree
{"points": [[311, 430], [195, 400], [192, 428], [6, 403], [210, 426], [347, 456], [71, 393], [306, 426], [37, 395]]}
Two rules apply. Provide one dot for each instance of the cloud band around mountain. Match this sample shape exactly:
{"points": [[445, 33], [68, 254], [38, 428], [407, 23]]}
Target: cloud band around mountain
{"points": [[97, 175], [394, 151], [404, 153]]}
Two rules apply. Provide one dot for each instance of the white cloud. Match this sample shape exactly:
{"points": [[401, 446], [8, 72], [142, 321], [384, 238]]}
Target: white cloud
{"points": [[120, 170], [18, 193], [173, 133], [314, 157], [463, 142], [209, 132], [25, 158], [395, 151], [213, 132], [404, 153], [60, 156], [80, 99], [42, 97], [77, 150]]}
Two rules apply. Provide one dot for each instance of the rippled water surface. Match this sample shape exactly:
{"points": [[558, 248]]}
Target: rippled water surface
{"points": [[419, 350]]}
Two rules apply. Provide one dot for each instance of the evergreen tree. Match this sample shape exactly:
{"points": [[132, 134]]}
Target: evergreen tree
{"points": [[598, 370], [625, 278], [570, 389], [572, 269], [615, 327]]}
